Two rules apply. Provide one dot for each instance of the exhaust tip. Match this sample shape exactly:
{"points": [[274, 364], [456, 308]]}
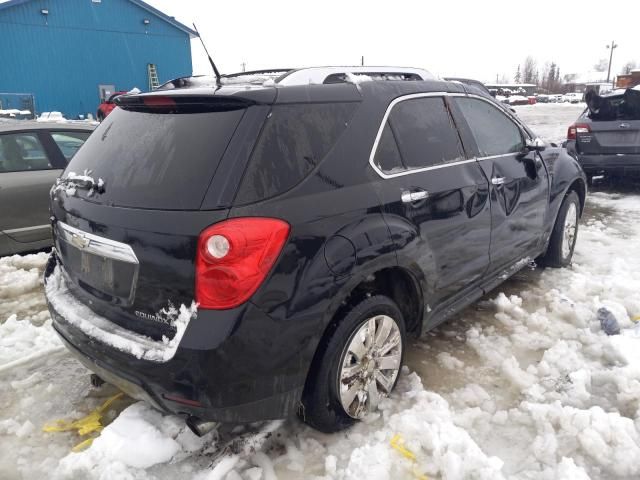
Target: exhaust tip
{"points": [[200, 427]]}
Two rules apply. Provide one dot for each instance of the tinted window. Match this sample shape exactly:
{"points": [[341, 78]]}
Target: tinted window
{"points": [[156, 160], [22, 152], [387, 157], [294, 140], [69, 142], [494, 132], [425, 133]]}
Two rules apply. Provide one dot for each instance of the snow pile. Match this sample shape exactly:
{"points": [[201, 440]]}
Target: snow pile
{"points": [[82, 317], [139, 438], [27, 333], [21, 287], [357, 78], [51, 117], [72, 181]]}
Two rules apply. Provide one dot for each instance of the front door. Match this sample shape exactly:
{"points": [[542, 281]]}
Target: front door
{"points": [[435, 199], [26, 176], [519, 181]]}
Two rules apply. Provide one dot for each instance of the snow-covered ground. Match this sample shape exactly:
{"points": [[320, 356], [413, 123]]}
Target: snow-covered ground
{"points": [[523, 385], [550, 120]]}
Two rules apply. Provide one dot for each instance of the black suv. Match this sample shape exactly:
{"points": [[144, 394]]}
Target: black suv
{"points": [[239, 253]]}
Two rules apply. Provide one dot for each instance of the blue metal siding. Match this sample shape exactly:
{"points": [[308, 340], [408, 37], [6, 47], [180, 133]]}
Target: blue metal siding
{"points": [[62, 57]]}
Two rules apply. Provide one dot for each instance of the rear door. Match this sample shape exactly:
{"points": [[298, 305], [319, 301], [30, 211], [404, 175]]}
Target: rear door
{"points": [[519, 180], [435, 198], [27, 172]]}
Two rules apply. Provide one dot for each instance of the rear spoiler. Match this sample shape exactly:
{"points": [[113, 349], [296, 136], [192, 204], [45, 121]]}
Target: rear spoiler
{"points": [[154, 103]]}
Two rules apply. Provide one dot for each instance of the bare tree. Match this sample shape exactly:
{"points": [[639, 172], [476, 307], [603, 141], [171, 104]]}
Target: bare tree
{"points": [[529, 70], [628, 67]]}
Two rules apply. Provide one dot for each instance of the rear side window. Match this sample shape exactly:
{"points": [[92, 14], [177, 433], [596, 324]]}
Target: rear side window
{"points": [[294, 140], [424, 133], [494, 132], [69, 142], [156, 160], [387, 156], [20, 152]]}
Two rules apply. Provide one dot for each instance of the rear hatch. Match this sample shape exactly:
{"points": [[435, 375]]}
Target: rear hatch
{"points": [[614, 126], [128, 211]]}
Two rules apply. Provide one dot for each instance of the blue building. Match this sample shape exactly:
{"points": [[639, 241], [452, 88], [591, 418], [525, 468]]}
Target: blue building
{"points": [[71, 54]]}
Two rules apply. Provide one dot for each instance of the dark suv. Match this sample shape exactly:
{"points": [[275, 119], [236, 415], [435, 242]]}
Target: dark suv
{"points": [[606, 137], [239, 253]]}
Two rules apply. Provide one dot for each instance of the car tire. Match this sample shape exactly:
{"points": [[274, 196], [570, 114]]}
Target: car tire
{"points": [[337, 371], [565, 233]]}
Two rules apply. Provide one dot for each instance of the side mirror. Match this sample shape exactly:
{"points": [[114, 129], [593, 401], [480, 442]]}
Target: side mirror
{"points": [[535, 145]]}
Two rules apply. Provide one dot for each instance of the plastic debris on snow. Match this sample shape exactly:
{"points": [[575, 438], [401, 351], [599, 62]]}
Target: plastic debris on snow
{"points": [[95, 326], [608, 321], [91, 423]]}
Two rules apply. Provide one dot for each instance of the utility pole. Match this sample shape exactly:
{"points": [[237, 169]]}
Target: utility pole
{"points": [[362, 60], [612, 47], [244, 66]]}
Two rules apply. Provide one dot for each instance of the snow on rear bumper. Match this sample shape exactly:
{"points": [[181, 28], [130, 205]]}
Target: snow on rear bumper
{"points": [[103, 330]]}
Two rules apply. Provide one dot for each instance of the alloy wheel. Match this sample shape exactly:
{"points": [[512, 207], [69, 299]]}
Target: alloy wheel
{"points": [[370, 365], [569, 230]]}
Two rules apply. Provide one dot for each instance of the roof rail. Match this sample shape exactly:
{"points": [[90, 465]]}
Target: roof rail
{"points": [[323, 75], [303, 76], [268, 72]]}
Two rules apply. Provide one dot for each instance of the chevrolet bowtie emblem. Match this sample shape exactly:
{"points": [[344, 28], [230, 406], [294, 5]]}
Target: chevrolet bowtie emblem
{"points": [[80, 241]]}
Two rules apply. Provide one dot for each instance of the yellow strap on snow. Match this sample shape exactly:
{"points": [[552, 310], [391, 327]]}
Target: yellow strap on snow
{"points": [[85, 425], [397, 443], [82, 445]]}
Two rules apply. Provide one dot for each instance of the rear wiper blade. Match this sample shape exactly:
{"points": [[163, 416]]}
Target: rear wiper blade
{"points": [[71, 182]]}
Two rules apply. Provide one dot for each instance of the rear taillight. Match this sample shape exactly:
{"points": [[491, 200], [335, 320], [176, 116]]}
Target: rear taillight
{"points": [[234, 257], [577, 128]]}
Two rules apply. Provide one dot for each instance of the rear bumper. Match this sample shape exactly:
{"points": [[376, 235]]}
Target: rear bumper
{"points": [[230, 366], [618, 164]]}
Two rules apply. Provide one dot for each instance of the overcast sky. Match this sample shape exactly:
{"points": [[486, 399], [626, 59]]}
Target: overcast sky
{"points": [[479, 39]]}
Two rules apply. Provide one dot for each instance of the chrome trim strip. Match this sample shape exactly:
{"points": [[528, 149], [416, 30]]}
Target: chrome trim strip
{"points": [[381, 128], [90, 243], [491, 157], [27, 229], [443, 165]]}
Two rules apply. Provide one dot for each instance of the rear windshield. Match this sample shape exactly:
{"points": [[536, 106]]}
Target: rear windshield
{"points": [[294, 140], [155, 160]]}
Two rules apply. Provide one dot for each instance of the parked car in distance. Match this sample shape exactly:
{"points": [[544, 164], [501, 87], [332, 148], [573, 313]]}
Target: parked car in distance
{"points": [[243, 253], [542, 98], [517, 100], [32, 156], [106, 107], [573, 97], [606, 137]]}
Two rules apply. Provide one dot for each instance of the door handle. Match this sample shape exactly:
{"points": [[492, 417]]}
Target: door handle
{"points": [[410, 197], [498, 180]]}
